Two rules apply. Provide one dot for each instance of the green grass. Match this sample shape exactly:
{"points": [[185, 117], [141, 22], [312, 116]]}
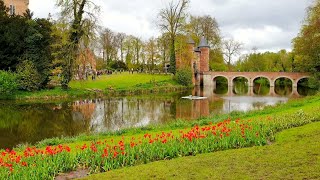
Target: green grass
{"points": [[294, 155], [119, 84], [124, 81]]}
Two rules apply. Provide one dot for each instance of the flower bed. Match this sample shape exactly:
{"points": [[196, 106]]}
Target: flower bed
{"points": [[105, 155]]}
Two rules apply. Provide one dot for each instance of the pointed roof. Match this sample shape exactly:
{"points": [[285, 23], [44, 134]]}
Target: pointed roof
{"points": [[190, 40], [203, 43]]}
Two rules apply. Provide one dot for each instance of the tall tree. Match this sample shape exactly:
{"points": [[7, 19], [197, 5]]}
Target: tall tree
{"points": [[171, 21], [108, 45], [151, 51], [129, 51], [121, 37], [80, 13], [231, 48], [137, 46], [163, 48], [206, 26], [306, 46]]}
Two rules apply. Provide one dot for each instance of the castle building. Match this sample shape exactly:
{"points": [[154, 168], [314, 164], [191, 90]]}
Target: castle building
{"points": [[17, 7], [198, 59]]}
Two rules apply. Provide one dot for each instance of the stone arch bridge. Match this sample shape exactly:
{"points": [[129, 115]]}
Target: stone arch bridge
{"points": [[209, 78]]}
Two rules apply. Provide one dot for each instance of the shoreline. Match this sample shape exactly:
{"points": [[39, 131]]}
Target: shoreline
{"points": [[72, 93]]}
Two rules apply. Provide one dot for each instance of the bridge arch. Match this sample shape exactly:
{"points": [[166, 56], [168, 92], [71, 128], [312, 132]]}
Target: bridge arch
{"points": [[300, 78], [214, 79], [243, 87], [262, 88], [285, 91], [262, 76], [285, 77], [224, 81], [240, 76]]}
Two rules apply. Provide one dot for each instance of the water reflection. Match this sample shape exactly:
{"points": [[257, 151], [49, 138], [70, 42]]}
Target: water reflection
{"points": [[247, 103], [32, 122], [116, 114]]}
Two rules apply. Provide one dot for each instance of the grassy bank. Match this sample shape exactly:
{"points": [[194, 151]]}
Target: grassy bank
{"points": [[145, 145], [294, 155], [117, 84]]}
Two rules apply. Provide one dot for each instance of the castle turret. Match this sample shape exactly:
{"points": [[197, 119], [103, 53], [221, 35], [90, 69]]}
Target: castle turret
{"points": [[204, 57]]}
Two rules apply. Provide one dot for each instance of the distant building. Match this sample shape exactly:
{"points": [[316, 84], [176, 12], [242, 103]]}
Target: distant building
{"points": [[17, 7]]}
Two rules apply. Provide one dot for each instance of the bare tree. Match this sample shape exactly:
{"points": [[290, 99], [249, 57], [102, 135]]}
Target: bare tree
{"points": [[231, 48], [171, 21]]}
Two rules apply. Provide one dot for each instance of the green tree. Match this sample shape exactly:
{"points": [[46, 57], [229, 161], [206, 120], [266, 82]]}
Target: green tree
{"points": [[267, 61], [28, 77], [12, 46], [206, 26], [151, 53], [25, 38], [306, 46], [163, 48], [38, 49], [8, 82], [3, 9]]}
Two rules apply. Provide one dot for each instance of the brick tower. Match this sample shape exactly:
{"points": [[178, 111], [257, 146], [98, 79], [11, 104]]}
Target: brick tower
{"points": [[191, 61], [197, 60], [17, 7], [204, 57]]}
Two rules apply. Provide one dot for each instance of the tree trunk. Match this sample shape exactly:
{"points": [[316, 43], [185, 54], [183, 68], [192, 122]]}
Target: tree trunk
{"points": [[172, 58]]}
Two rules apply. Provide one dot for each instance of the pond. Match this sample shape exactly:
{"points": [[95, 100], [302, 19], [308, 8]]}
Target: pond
{"points": [[28, 123]]}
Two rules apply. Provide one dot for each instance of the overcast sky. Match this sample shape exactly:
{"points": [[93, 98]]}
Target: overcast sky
{"points": [[265, 24]]}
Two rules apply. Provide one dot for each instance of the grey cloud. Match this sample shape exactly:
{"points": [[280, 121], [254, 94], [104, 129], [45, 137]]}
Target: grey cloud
{"points": [[232, 16]]}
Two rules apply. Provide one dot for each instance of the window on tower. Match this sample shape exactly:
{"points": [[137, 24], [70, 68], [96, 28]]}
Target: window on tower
{"points": [[12, 10]]}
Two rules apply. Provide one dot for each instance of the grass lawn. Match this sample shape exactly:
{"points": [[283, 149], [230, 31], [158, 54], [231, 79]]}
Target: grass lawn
{"points": [[124, 81], [104, 84], [294, 155]]}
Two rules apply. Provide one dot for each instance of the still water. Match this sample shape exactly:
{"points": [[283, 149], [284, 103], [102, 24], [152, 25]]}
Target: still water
{"points": [[27, 123]]}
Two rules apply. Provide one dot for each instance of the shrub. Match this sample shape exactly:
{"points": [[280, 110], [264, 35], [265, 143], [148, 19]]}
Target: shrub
{"points": [[313, 82], [184, 77], [8, 82], [28, 77]]}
